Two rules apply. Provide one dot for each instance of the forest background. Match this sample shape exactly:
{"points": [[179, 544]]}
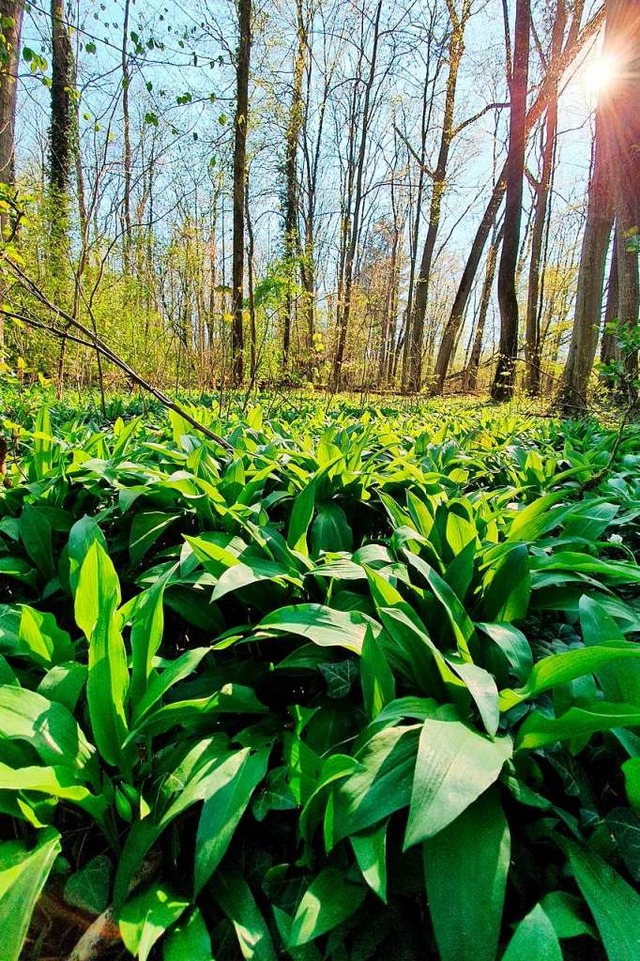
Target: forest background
{"points": [[313, 191]]}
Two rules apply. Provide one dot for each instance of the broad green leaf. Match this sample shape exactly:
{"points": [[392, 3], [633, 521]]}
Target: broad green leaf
{"points": [[89, 887], [64, 684], [378, 683], [328, 901], [147, 527], [176, 671], [188, 940], [23, 875], [96, 603], [370, 849], [146, 916], [507, 596], [56, 781], [619, 683], [466, 868], [234, 896], [513, 644], [460, 622], [631, 771], [562, 668], [613, 903], [534, 939], [35, 533], [49, 727], [146, 635], [624, 825], [566, 913], [322, 625], [454, 766], [40, 634], [482, 688], [381, 785], [302, 511], [538, 730], [251, 570], [536, 518], [82, 535], [330, 530], [230, 794]]}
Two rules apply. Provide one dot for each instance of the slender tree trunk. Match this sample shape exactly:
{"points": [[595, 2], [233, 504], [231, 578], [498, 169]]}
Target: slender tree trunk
{"points": [[239, 187], [11, 13], [609, 345], [61, 114], [575, 42], [504, 382], [416, 330], [541, 212], [470, 379], [126, 204], [292, 209], [613, 190], [355, 214]]}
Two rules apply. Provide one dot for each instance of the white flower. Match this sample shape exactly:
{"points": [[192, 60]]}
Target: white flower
{"points": [[615, 539]]}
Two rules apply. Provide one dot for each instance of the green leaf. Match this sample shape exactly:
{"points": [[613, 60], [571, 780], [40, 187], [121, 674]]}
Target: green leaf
{"points": [[619, 683], [330, 530], [328, 901], [302, 511], [382, 783], [230, 794], [174, 672], [566, 913], [538, 730], [234, 896], [23, 875], [454, 766], [378, 684], [56, 781], [40, 634], [189, 940], [624, 825], [513, 644], [89, 887], [459, 621], [370, 849], [96, 603], [49, 727], [322, 625], [534, 939], [35, 533], [507, 596], [562, 668], [146, 916], [469, 857], [81, 536], [147, 629], [613, 903], [146, 529]]}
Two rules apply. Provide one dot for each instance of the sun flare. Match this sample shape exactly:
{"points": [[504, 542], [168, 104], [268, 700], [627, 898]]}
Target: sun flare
{"points": [[600, 74]]}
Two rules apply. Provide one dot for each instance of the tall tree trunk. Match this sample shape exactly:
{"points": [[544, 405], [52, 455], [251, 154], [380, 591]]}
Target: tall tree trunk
{"points": [[470, 379], [623, 18], [613, 190], [239, 188], [354, 213], [11, 12], [575, 42], [541, 212], [504, 382], [61, 113], [439, 175], [292, 212], [609, 345], [126, 125]]}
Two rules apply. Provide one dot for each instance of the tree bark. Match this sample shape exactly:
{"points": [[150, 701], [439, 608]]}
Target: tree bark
{"points": [[239, 187], [416, 328], [61, 114], [575, 42], [504, 381], [11, 14], [292, 211], [541, 210]]}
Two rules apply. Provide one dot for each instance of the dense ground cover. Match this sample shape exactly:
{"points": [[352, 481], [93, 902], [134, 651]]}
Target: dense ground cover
{"points": [[364, 689]]}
